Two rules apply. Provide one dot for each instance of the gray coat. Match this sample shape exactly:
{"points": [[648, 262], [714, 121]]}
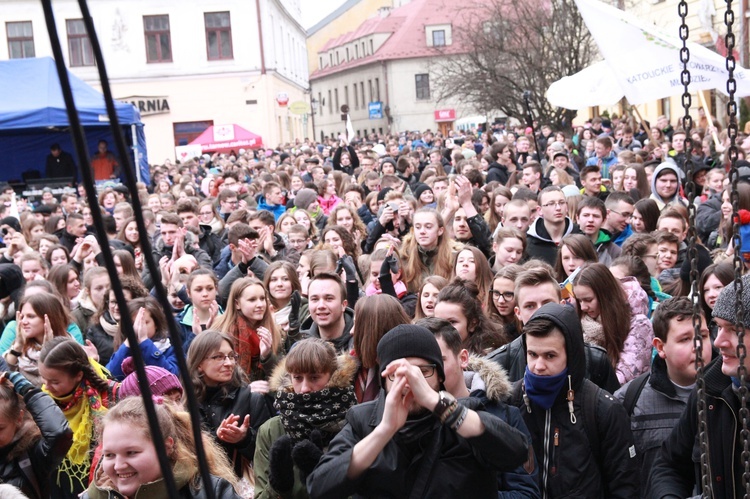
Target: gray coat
{"points": [[657, 410]]}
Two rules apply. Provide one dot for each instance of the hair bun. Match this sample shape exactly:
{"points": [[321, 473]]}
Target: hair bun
{"points": [[128, 365], [470, 286]]}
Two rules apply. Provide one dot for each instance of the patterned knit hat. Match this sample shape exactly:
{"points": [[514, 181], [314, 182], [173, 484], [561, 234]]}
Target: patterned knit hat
{"points": [[724, 308], [160, 380]]}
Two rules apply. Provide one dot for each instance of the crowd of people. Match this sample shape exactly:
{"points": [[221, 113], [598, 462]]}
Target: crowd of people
{"points": [[501, 313]]}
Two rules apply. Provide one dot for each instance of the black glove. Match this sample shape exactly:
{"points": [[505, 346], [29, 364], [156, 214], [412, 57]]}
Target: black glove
{"points": [[390, 263], [347, 264], [20, 383], [280, 465], [295, 301], [307, 453]]}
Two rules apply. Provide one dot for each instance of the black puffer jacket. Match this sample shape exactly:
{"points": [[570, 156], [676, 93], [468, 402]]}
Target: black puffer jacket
{"points": [[219, 404], [676, 470], [460, 467], [587, 452], [44, 453]]}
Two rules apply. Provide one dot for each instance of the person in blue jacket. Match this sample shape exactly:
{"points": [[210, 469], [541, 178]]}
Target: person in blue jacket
{"points": [[150, 326]]}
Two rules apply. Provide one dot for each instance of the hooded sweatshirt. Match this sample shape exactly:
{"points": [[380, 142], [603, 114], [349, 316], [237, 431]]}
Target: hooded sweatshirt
{"points": [[677, 199], [569, 458], [540, 244]]}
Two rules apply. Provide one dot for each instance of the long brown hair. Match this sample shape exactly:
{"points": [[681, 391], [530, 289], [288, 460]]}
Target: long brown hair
{"points": [[227, 323], [414, 268], [483, 334], [435, 280], [51, 306], [291, 273], [509, 272], [64, 354], [613, 304], [483, 273], [376, 315], [205, 344], [578, 244]]}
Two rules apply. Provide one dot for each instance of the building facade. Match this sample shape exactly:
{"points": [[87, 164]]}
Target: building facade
{"points": [[383, 70], [185, 64]]}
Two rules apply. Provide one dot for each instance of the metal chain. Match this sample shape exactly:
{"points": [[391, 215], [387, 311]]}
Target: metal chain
{"points": [[738, 262], [692, 253]]}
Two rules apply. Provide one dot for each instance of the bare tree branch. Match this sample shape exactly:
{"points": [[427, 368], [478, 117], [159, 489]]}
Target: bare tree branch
{"points": [[516, 46]]}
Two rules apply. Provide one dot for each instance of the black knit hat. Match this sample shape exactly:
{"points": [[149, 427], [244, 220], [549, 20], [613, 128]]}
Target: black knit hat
{"points": [[383, 192], [704, 260], [420, 189], [408, 340]]}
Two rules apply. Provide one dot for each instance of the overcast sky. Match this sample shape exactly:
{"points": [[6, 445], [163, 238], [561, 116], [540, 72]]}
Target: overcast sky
{"points": [[315, 10]]}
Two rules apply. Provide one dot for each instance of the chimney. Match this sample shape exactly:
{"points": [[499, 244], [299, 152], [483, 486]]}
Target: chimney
{"points": [[384, 11]]}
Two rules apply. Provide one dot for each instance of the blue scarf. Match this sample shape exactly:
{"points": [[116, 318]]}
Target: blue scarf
{"points": [[543, 390]]}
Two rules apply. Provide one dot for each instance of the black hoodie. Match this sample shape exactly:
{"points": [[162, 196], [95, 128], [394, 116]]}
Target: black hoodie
{"points": [[573, 465]]}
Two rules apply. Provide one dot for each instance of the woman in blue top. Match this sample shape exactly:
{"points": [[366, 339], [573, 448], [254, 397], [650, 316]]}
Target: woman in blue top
{"points": [[150, 325], [200, 314]]}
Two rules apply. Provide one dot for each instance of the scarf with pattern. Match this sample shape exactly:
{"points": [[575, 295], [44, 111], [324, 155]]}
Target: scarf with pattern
{"points": [[85, 405], [325, 410]]}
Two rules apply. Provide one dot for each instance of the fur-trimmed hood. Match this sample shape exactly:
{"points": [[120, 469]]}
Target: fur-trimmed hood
{"points": [[342, 377], [488, 376]]}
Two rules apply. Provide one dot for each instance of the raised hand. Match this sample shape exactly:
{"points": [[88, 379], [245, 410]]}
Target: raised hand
{"points": [[266, 342], [139, 326], [397, 404], [48, 332], [231, 431], [91, 350]]}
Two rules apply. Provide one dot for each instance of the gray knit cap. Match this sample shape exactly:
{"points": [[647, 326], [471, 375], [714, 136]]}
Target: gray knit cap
{"points": [[725, 309]]}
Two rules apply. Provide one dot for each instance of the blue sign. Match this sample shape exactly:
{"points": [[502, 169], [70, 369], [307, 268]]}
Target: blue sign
{"points": [[376, 110]]}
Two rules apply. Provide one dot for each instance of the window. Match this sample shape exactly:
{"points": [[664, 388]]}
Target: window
{"points": [[20, 40], [336, 96], [356, 97], [438, 38], [79, 45], [356, 51], [186, 132], [218, 35], [320, 103], [377, 89], [158, 38], [346, 94], [347, 54], [330, 103], [423, 86], [362, 91], [369, 84]]}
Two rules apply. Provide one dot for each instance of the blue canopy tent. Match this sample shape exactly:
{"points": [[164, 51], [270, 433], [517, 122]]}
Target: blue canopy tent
{"points": [[33, 116]]}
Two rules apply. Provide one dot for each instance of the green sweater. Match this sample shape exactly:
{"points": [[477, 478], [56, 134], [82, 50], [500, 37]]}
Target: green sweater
{"points": [[267, 435]]}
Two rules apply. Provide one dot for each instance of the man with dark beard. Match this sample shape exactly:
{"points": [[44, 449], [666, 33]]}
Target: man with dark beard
{"points": [[416, 440]]}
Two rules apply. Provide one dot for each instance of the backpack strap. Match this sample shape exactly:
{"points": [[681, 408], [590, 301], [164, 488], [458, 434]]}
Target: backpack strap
{"points": [[590, 423], [633, 392], [28, 471]]}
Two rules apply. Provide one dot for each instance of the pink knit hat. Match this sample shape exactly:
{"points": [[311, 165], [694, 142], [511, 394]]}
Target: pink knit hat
{"points": [[160, 380]]}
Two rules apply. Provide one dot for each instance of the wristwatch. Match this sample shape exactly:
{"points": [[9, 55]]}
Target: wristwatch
{"points": [[445, 402]]}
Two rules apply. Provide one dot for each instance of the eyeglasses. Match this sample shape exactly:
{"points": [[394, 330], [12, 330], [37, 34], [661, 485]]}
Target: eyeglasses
{"points": [[554, 204], [624, 215], [507, 295], [220, 358], [428, 371]]}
